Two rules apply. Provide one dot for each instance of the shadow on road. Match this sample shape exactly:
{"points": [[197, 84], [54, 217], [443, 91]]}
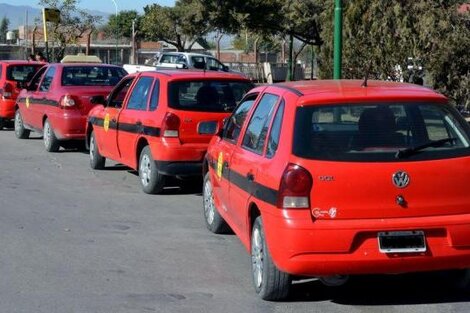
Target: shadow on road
{"points": [[406, 289]]}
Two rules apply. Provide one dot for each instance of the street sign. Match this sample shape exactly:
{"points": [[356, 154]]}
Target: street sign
{"points": [[51, 15]]}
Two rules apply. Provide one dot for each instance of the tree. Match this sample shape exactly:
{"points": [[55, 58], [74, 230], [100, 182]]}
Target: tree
{"points": [[74, 24], [182, 25], [4, 25], [383, 36], [121, 25]]}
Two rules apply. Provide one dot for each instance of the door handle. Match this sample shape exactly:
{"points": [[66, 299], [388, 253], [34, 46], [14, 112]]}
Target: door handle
{"points": [[138, 123], [113, 120], [250, 177], [225, 164]]}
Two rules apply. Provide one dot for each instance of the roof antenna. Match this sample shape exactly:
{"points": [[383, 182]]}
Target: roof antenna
{"points": [[364, 83]]}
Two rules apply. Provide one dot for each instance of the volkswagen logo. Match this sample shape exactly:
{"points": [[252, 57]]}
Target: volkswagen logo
{"points": [[401, 179]]}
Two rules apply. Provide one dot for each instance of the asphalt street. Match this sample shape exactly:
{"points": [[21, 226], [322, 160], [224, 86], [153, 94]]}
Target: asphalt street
{"points": [[77, 240]]}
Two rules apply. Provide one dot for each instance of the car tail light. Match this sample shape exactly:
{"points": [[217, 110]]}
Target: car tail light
{"points": [[171, 125], [296, 184], [7, 91], [67, 101]]}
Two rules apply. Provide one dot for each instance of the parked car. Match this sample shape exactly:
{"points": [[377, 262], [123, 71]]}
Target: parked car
{"points": [[57, 100], [181, 60], [13, 74], [160, 123], [329, 179]]}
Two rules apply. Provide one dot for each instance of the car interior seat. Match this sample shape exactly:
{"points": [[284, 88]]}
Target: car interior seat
{"points": [[207, 96], [377, 128]]}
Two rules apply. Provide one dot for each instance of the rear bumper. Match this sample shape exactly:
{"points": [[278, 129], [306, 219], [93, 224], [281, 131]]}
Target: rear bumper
{"points": [[69, 126], [176, 159], [179, 168], [327, 247], [7, 109]]}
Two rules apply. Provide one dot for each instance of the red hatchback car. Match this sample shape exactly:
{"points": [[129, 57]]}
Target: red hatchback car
{"points": [[13, 74], [161, 122], [57, 100], [329, 179]]}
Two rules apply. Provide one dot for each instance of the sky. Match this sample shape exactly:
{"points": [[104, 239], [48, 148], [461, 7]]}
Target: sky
{"points": [[102, 5]]}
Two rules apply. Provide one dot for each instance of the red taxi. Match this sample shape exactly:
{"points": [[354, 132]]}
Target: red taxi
{"points": [[13, 74], [161, 122], [57, 100], [327, 179]]}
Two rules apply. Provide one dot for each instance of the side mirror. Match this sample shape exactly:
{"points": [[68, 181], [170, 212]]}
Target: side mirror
{"points": [[98, 100], [222, 129], [225, 68]]}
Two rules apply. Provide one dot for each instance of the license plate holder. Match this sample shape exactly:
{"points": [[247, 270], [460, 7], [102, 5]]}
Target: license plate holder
{"points": [[402, 241]]}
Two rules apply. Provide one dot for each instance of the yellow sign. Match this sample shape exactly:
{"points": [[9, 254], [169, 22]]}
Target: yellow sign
{"points": [[220, 162], [27, 102], [51, 15], [106, 122]]}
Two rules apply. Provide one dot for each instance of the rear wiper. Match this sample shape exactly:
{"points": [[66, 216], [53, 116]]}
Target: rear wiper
{"points": [[435, 144]]}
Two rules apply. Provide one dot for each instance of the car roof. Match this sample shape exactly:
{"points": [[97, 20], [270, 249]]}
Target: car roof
{"points": [[187, 54], [183, 73], [84, 64], [321, 91], [22, 62]]}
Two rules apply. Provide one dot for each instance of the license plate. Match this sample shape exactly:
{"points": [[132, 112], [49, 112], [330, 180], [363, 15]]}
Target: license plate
{"points": [[402, 241]]}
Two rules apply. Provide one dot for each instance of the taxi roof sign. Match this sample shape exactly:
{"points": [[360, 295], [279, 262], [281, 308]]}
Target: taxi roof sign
{"points": [[81, 58]]}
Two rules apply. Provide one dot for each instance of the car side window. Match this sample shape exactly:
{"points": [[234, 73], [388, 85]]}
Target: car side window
{"points": [[155, 96], [234, 124], [140, 94], [34, 83], [273, 139], [119, 93], [47, 81], [257, 130]]}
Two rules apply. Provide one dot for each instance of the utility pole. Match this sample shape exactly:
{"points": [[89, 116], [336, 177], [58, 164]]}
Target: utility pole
{"points": [[133, 42], [290, 65], [338, 39]]}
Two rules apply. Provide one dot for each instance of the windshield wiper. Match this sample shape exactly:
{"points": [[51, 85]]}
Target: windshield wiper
{"points": [[435, 144]]}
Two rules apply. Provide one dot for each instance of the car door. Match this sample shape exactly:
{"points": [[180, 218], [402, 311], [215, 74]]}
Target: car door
{"points": [[248, 159], [40, 101], [222, 154], [106, 136], [130, 119], [27, 103]]}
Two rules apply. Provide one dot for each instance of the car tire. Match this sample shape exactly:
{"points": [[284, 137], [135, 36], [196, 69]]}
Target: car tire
{"points": [[270, 283], [151, 180], [20, 131], [2, 123], [51, 142], [459, 279], [97, 161], [214, 221]]}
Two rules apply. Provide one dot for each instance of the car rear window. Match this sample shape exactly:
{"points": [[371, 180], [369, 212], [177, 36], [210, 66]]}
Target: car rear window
{"points": [[381, 132], [22, 73], [91, 75], [207, 95]]}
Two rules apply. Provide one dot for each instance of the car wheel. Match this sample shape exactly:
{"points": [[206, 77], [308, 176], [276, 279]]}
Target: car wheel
{"points": [[460, 279], [97, 161], [270, 283], [151, 180], [20, 131], [214, 221], [2, 123], [51, 142]]}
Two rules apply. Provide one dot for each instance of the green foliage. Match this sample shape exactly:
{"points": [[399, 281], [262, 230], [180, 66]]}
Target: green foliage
{"points": [[74, 24], [121, 25], [4, 24], [382, 34], [181, 25]]}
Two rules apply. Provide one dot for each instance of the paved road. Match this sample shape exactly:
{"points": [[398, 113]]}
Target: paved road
{"points": [[77, 240]]}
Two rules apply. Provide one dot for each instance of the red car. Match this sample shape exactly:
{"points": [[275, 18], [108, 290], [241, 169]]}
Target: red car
{"points": [[57, 100], [13, 74], [161, 122], [329, 179]]}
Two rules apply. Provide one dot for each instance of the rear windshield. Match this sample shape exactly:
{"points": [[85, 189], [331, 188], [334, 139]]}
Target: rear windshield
{"points": [[22, 73], [376, 133], [91, 75], [207, 95]]}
